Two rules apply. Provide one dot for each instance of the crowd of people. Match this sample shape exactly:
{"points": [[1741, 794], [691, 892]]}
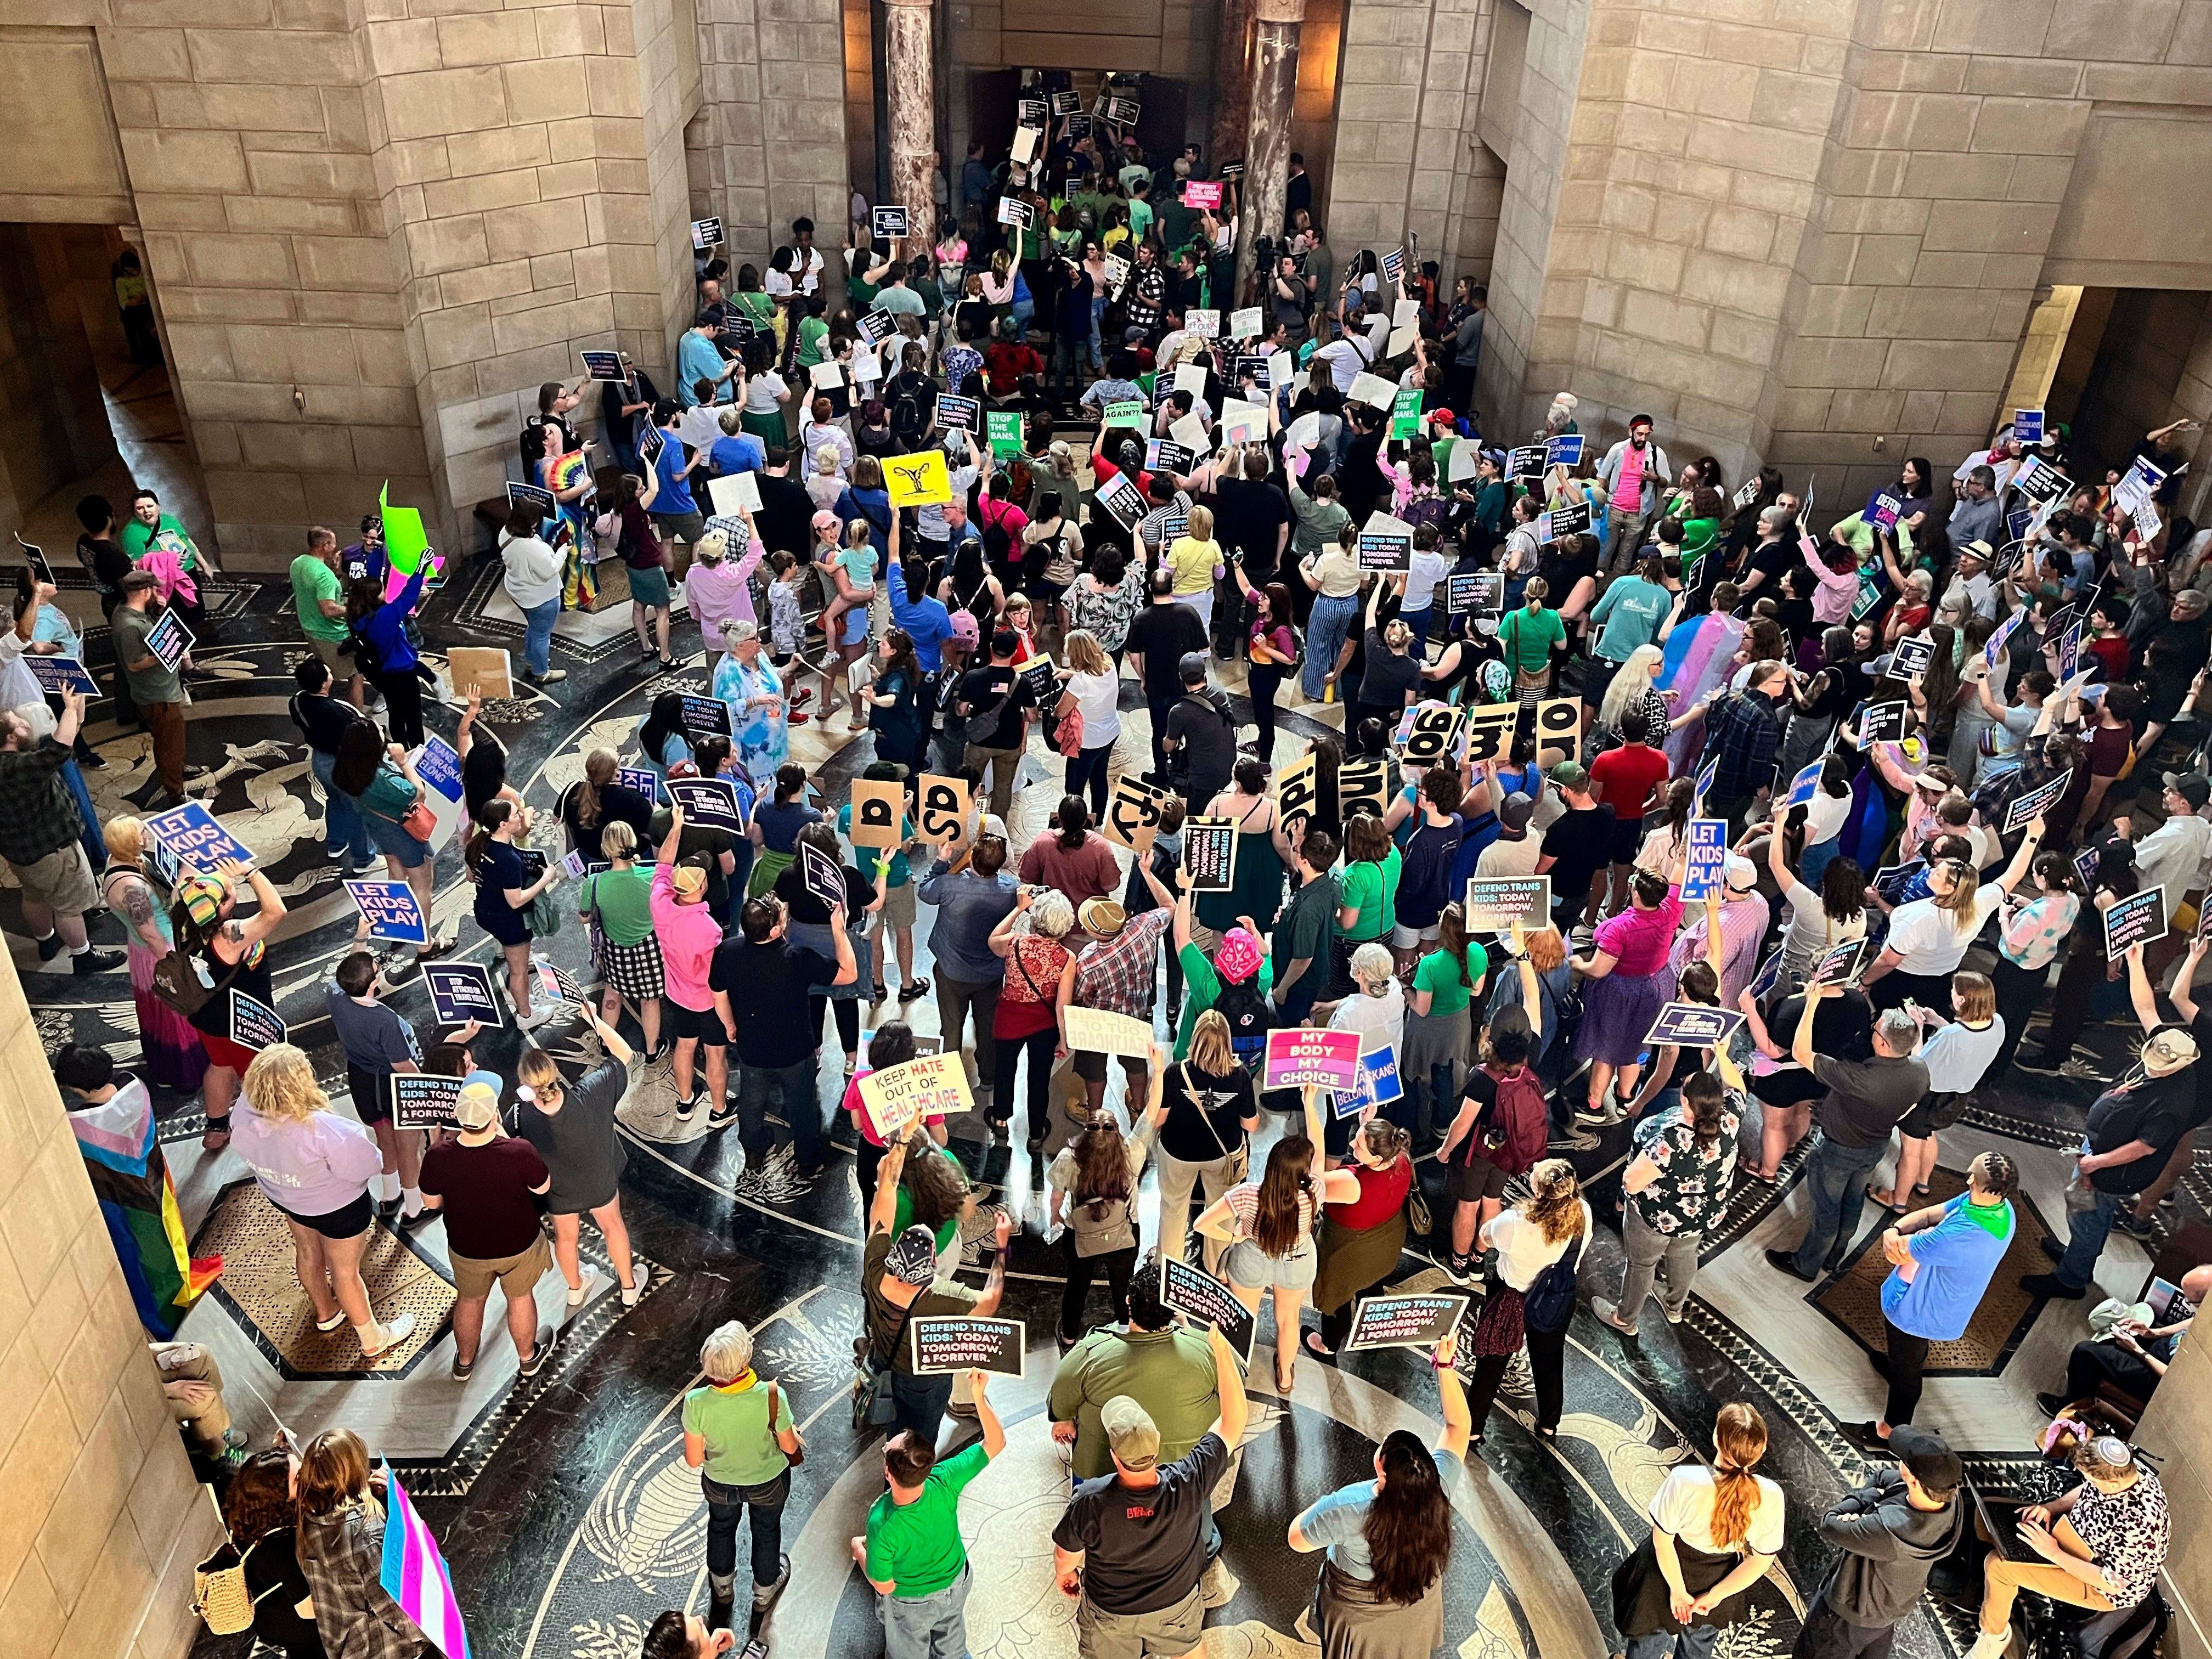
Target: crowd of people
{"points": [[1860, 710]]}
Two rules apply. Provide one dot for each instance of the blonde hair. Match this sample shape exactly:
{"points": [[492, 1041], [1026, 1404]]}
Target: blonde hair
{"points": [[1555, 1200], [1201, 524], [731, 421], [1085, 654], [1397, 636], [1974, 997], [1629, 684], [856, 533], [727, 1353], [1960, 900], [1050, 914], [333, 1472], [125, 838], [618, 840], [1372, 966], [1209, 1044], [1739, 1441], [535, 1068], [826, 457], [280, 1085]]}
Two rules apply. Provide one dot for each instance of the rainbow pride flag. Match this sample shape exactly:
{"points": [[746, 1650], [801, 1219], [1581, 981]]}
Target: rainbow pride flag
{"points": [[139, 1201], [414, 1573]]}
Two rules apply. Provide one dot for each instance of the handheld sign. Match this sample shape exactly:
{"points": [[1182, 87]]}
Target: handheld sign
{"points": [[1995, 648], [823, 876], [1405, 1322], [1297, 795], [1201, 194], [253, 1024], [1066, 103], [1462, 592], [1385, 551], [1486, 731], [1204, 1300], [1885, 511], [1693, 1025], [957, 414], [603, 364], [901, 1096], [1566, 450], [1429, 738], [1705, 854], [55, 675], [1209, 853], [2027, 425], [1306, 1056], [518, 495], [1569, 519], [391, 910], [1003, 427], [2139, 919], [1884, 722], [1245, 322], [1012, 210], [1805, 785], [1132, 814], [1206, 324], [1494, 903], [917, 480], [706, 234], [707, 803], [1525, 462], [1704, 784], [738, 494], [1379, 1083], [555, 983], [1840, 966], [1911, 659], [2026, 808], [878, 808], [887, 221], [705, 717], [478, 671], [1406, 413], [195, 839], [2085, 866], [461, 991], [876, 327], [941, 816], [419, 1101], [1558, 730], [439, 765], [1095, 1031], [169, 640], [1125, 412], [643, 779], [1361, 783], [35, 557], [966, 1342]]}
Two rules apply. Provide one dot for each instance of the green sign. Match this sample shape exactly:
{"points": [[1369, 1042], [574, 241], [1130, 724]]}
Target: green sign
{"points": [[1129, 412], [1004, 429], [1406, 413]]}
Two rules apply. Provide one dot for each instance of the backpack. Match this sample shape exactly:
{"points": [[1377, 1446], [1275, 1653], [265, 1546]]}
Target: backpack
{"points": [[908, 414], [1520, 1114], [998, 544], [1550, 1301], [1246, 1011]]}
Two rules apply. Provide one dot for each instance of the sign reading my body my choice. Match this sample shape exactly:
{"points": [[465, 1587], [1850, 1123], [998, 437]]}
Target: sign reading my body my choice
{"points": [[1306, 1056]]}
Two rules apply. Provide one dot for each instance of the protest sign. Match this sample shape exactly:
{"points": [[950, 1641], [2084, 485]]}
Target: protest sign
{"points": [[1565, 450], [1246, 322], [1805, 785], [878, 810], [1558, 730], [1705, 783], [643, 779], [1296, 792], [876, 325], [1242, 423], [1840, 966], [705, 717], [195, 839], [1201, 193], [1132, 813], [1692, 1024], [518, 495], [253, 1024], [169, 640], [1306, 1056], [1486, 731], [1525, 462], [957, 414], [1374, 390], [1209, 854], [1190, 432], [1379, 1083], [2139, 919], [35, 557], [2028, 807], [927, 1086], [555, 983], [390, 909], [707, 803], [603, 364], [706, 234], [1205, 1300], [1002, 429], [1206, 324], [421, 1101], [2027, 425], [1884, 722], [917, 480], [1429, 739], [822, 875], [480, 670], [966, 1342], [1095, 1031], [1569, 519], [461, 991], [1385, 551], [1405, 1322], [1364, 780], [438, 763], [1494, 903], [942, 817], [1705, 856], [2085, 866], [1012, 210], [887, 221], [1406, 413], [1911, 659], [1066, 103], [55, 675], [1119, 496], [738, 494], [1127, 411]]}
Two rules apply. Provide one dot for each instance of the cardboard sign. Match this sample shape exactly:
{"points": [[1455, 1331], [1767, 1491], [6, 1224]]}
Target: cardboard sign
{"points": [[461, 991], [35, 557], [707, 803], [1378, 1085], [1206, 324], [1840, 966], [1693, 1025], [1246, 322], [941, 816], [603, 364], [253, 1024], [169, 640], [55, 675], [1306, 1056], [1485, 732], [1911, 659], [706, 234], [1558, 730], [918, 480], [1805, 785], [1297, 791], [823, 876], [480, 670], [1095, 1031], [1123, 112], [887, 221], [1209, 854], [1117, 273], [2026, 808], [1494, 903], [966, 1342], [914, 1090], [1132, 813], [2027, 425], [194, 839], [1884, 722], [1429, 738], [1705, 851], [419, 1100], [1363, 782], [391, 910], [1385, 551], [1012, 210], [1003, 430], [1205, 1301], [1566, 450], [878, 808], [1405, 1322], [2139, 919], [705, 717], [738, 493]]}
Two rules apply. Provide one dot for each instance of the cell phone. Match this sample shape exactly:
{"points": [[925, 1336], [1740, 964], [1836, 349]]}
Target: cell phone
{"points": [[756, 1649]]}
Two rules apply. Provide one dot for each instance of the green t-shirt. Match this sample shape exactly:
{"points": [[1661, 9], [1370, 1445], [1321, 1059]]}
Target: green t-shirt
{"points": [[1372, 889], [1140, 219], [741, 1450], [1172, 1371], [313, 581], [903, 1217], [1302, 932], [623, 900], [128, 629], [1201, 989], [865, 859], [1438, 974], [137, 537], [916, 1546], [812, 332], [1529, 637]]}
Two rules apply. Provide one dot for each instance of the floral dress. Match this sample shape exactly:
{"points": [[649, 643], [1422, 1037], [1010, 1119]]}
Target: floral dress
{"points": [[762, 738], [1691, 1191]]}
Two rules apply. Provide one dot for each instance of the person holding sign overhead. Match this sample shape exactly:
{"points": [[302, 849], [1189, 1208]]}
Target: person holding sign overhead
{"points": [[1622, 986], [170, 1054], [1927, 937], [156, 686], [236, 952], [1360, 1238]]}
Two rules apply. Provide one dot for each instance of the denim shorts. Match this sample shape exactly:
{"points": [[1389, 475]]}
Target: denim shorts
{"points": [[1251, 1268], [392, 839]]}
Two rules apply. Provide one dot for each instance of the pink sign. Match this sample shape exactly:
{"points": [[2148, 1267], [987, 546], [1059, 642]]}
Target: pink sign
{"points": [[1197, 195], [1307, 1056]]}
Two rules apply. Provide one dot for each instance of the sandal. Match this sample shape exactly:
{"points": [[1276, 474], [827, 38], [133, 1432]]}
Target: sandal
{"points": [[1762, 1180], [437, 947], [911, 992], [1283, 1386], [878, 992], [218, 1135], [1314, 1345]]}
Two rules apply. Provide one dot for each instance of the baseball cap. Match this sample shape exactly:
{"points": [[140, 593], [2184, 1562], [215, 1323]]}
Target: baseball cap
{"points": [[1192, 667], [2168, 1052], [2192, 786], [1238, 958], [688, 880], [912, 1258], [1515, 809], [825, 520], [1131, 1432], [1570, 774], [1931, 1460], [476, 1107], [1742, 873], [1101, 918]]}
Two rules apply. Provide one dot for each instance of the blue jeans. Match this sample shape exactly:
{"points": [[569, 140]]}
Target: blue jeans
{"points": [[2086, 1233], [1696, 1642], [799, 1091], [1408, 1110], [537, 639], [1097, 333], [1327, 630], [1838, 1179], [920, 1402], [927, 1626], [88, 815], [1418, 621], [345, 833], [725, 1506]]}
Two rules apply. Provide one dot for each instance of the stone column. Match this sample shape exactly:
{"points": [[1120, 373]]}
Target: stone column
{"points": [[1267, 148], [909, 73], [1232, 86]]}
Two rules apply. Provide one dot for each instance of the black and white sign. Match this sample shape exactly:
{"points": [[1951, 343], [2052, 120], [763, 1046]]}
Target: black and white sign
{"points": [[1693, 1025], [2026, 808], [1494, 903], [1840, 966], [887, 221], [1385, 550], [823, 876], [1205, 1300], [706, 234], [1429, 738], [1363, 783], [461, 991], [708, 803], [966, 1342], [1066, 103], [1885, 722], [1526, 463], [1012, 210], [419, 1101], [1911, 659], [1209, 853], [957, 414], [253, 1024], [1569, 519], [35, 557], [603, 364], [705, 717], [543, 500], [2139, 919], [876, 327], [1418, 1320]]}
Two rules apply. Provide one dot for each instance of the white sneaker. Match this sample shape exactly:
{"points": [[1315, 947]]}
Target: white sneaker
{"points": [[1991, 1646], [576, 1296], [536, 1017], [640, 1276], [396, 1330]]}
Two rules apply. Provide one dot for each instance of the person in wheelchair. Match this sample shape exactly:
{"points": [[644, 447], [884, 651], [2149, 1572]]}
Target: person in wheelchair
{"points": [[2133, 1359], [2102, 1545]]}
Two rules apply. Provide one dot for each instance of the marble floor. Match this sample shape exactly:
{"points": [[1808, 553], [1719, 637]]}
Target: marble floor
{"points": [[567, 1516]]}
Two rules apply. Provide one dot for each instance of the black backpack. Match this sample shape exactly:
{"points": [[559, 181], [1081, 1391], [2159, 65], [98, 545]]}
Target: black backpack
{"points": [[1550, 1302], [1246, 1011]]}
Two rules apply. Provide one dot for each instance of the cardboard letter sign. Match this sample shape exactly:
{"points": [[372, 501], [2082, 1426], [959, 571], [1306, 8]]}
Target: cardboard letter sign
{"points": [[1429, 739], [1558, 730], [1405, 1322], [1489, 731], [1095, 1031], [967, 1342], [479, 670], [878, 807], [944, 804], [1209, 853], [1306, 1056], [1132, 814], [1296, 794], [1367, 780], [898, 1097]]}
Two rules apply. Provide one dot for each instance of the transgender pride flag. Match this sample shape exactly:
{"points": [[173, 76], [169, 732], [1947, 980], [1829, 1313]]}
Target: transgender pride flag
{"points": [[415, 1575]]}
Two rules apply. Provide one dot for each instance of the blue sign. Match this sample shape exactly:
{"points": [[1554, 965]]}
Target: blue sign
{"points": [[2069, 652], [439, 766], [253, 1024], [1706, 778], [58, 674], [1805, 785], [1378, 1083], [2085, 865], [1565, 450], [461, 991], [1705, 854], [2027, 425], [197, 840], [391, 910], [645, 782]]}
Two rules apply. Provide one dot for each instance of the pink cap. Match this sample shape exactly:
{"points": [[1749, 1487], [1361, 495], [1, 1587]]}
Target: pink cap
{"points": [[825, 520], [1238, 958]]}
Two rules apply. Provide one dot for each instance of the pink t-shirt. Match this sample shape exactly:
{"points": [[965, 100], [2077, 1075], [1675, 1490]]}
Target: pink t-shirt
{"points": [[1628, 488], [1637, 940], [688, 935], [860, 1119]]}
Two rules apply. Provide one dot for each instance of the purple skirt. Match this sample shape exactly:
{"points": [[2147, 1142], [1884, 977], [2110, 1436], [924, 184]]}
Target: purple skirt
{"points": [[1617, 1010]]}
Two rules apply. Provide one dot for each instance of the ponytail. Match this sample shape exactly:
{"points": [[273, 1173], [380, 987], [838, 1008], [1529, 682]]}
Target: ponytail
{"points": [[492, 819], [1739, 1441]]}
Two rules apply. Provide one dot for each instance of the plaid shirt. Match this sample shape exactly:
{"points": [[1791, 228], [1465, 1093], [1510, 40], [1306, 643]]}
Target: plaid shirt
{"points": [[1116, 976], [37, 815], [1743, 730]]}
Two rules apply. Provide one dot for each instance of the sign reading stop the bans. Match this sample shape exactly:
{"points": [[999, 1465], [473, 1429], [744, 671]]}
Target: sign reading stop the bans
{"points": [[898, 1097]]}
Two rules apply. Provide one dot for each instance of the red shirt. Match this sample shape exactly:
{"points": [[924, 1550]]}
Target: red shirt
{"points": [[1382, 1195], [1005, 362], [1628, 775], [2111, 651]]}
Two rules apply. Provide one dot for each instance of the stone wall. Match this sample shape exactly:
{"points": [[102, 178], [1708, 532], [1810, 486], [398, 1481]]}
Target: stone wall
{"points": [[2178, 1427], [101, 1522], [53, 425]]}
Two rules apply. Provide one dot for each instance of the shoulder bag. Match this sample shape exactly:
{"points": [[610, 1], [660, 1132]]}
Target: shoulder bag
{"points": [[1240, 1161], [177, 982], [793, 1458], [220, 1595]]}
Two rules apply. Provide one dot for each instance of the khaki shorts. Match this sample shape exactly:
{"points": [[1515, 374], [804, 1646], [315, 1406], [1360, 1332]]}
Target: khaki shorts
{"points": [[62, 881], [898, 905], [1167, 1634], [340, 664], [518, 1275]]}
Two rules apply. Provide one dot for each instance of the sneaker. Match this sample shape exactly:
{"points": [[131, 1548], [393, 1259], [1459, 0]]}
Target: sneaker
{"points": [[764, 1595], [2128, 1222], [1605, 1113], [463, 1368], [640, 1276], [397, 1330], [235, 1437], [2051, 1247], [540, 1352], [50, 947], [1990, 1644], [96, 962], [1866, 1435], [1611, 1315], [2052, 1404], [551, 676], [1673, 1316], [1459, 1269], [723, 1115], [577, 1295], [685, 1105], [536, 1017]]}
